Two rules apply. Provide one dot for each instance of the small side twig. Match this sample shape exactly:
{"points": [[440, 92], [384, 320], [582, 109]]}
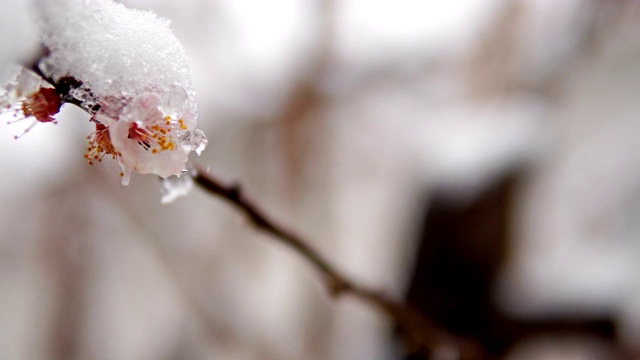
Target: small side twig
{"points": [[419, 334]]}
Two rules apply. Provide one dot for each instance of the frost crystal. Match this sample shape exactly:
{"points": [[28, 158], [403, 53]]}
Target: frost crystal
{"points": [[128, 70]]}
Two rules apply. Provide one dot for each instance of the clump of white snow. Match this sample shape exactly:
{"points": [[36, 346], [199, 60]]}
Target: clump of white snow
{"points": [[115, 51]]}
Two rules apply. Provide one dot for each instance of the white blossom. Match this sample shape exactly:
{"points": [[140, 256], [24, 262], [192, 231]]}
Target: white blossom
{"points": [[147, 139]]}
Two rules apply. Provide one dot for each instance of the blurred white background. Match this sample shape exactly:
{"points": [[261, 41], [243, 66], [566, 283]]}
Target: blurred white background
{"points": [[340, 117]]}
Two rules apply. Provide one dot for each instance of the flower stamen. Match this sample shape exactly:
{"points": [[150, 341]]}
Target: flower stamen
{"points": [[100, 145], [153, 137], [41, 105]]}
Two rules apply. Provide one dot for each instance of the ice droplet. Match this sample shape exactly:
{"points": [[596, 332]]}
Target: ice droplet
{"points": [[174, 187], [195, 140]]}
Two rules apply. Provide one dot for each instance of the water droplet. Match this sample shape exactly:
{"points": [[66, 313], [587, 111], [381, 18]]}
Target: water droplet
{"points": [[195, 140]]}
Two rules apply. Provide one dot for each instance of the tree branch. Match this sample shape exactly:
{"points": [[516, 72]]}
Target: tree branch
{"points": [[419, 334]]}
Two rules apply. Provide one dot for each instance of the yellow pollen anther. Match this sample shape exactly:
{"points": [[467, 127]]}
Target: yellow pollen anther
{"points": [[153, 137], [99, 145]]}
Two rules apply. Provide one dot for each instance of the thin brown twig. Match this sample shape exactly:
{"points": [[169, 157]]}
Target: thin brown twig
{"points": [[419, 334]]}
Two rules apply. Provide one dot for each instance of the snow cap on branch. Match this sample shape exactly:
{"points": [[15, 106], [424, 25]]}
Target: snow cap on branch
{"points": [[128, 70]]}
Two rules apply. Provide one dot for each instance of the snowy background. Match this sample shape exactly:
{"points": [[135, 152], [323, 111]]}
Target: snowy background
{"points": [[341, 117]]}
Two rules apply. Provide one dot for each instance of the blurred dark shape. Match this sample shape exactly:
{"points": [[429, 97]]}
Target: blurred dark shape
{"points": [[463, 244]]}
